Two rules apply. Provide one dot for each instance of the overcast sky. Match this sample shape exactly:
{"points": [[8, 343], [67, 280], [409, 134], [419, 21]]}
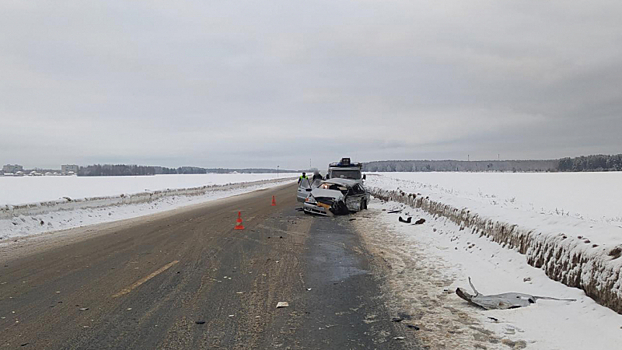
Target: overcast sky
{"points": [[267, 83]]}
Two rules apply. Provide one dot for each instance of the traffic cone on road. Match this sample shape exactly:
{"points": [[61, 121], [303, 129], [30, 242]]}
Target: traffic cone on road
{"points": [[273, 201], [239, 225]]}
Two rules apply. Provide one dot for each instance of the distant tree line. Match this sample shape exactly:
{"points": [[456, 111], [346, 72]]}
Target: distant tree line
{"points": [[599, 162], [585, 163], [115, 170], [138, 170], [458, 165]]}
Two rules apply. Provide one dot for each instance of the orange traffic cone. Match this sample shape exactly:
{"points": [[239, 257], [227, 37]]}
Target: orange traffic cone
{"points": [[273, 201], [239, 225]]}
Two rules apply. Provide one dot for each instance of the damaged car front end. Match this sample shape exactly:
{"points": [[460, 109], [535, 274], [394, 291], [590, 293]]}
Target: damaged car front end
{"points": [[337, 197], [322, 201]]}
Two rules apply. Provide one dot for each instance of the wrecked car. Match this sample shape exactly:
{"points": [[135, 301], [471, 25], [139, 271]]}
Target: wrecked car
{"points": [[336, 196]]}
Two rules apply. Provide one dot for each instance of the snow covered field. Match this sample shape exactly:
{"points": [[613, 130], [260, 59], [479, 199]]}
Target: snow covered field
{"points": [[593, 196], [560, 231], [105, 199], [427, 262], [23, 190]]}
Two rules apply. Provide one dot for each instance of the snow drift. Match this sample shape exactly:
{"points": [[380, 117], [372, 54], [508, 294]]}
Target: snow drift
{"points": [[9, 211], [28, 219], [573, 261]]}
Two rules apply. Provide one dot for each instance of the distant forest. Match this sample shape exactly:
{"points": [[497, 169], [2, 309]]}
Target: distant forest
{"points": [[591, 163], [584, 163], [137, 170]]}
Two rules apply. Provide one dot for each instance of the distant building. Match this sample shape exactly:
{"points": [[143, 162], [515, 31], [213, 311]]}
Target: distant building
{"points": [[66, 169], [12, 168]]}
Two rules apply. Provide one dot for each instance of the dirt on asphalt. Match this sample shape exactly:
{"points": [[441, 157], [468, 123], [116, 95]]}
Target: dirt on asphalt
{"points": [[186, 280]]}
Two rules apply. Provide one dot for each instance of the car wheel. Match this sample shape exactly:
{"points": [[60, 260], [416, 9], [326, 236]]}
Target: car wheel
{"points": [[365, 205], [362, 206]]}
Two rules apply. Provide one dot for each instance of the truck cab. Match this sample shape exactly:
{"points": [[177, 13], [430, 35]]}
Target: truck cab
{"points": [[345, 169]]}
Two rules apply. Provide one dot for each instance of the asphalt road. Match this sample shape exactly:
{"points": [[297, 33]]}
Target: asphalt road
{"points": [[187, 280]]}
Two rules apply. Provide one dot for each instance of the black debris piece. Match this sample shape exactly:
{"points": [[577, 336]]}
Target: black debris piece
{"points": [[413, 327], [407, 221], [419, 222], [199, 322]]}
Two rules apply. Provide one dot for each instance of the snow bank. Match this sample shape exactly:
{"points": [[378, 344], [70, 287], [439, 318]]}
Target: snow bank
{"points": [[23, 190], [27, 219], [422, 265], [579, 253]]}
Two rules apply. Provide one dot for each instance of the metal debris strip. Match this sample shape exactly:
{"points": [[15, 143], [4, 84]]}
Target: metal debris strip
{"points": [[501, 301], [282, 304]]}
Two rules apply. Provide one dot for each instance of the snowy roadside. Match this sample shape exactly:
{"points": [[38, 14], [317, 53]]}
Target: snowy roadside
{"points": [[424, 264], [578, 252], [27, 220]]}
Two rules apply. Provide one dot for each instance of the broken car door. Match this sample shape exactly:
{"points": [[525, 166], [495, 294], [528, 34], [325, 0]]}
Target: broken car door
{"points": [[304, 188]]}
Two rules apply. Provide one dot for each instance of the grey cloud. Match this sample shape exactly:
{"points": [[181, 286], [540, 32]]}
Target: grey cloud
{"points": [[265, 84]]}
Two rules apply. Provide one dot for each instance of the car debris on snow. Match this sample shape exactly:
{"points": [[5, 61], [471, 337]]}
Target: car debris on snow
{"points": [[419, 222], [501, 301], [407, 221]]}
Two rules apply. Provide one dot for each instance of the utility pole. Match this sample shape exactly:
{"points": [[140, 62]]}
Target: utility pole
{"points": [[277, 171], [468, 157]]}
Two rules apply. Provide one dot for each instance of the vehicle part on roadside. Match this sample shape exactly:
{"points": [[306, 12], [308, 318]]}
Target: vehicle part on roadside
{"points": [[394, 211], [407, 221], [501, 301], [419, 222], [282, 304]]}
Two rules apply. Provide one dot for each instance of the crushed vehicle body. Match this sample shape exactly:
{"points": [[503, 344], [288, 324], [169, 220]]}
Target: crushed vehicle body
{"points": [[337, 197]]}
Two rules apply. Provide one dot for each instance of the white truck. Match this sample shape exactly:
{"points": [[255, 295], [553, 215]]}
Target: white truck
{"points": [[345, 169]]}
